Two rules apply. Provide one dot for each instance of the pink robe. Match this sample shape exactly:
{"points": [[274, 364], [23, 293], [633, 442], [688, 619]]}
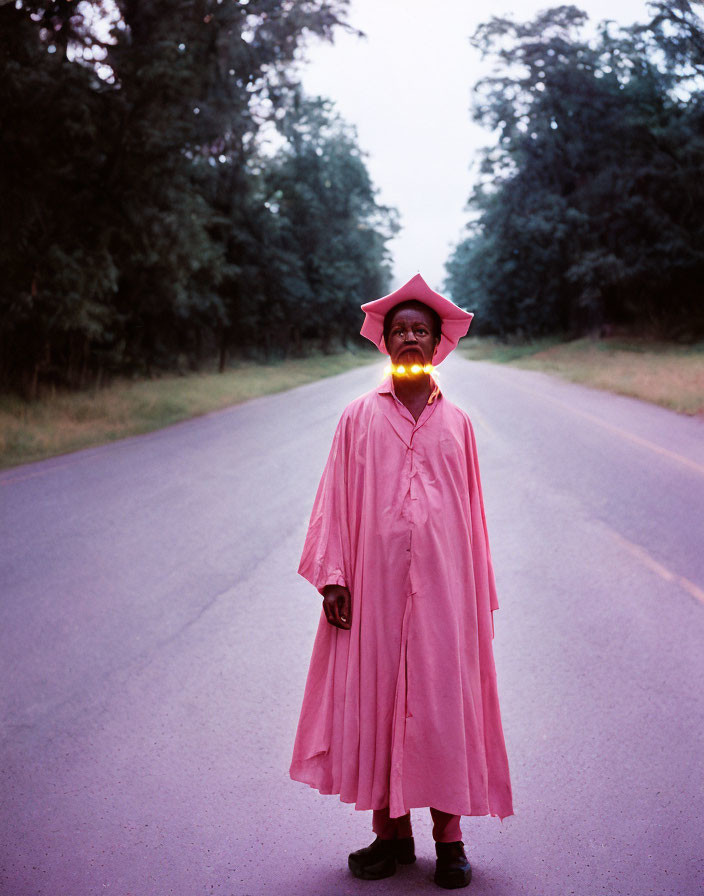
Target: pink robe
{"points": [[402, 710]]}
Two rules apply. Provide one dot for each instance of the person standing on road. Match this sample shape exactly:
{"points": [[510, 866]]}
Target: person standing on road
{"points": [[400, 708]]}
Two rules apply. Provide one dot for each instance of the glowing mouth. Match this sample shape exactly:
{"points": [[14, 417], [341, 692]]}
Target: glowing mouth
{"points": [[413, 370]]}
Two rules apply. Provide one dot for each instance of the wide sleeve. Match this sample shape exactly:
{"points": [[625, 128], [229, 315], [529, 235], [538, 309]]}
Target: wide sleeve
{"points": [[481, 554], [326, 551]]}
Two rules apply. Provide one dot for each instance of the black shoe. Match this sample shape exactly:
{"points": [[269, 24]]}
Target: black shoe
{"points": [[379, 860], [452, 868]]}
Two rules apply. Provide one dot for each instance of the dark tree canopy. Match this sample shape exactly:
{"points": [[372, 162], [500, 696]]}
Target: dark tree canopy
{"points": [[143, 226], [590, 207]]}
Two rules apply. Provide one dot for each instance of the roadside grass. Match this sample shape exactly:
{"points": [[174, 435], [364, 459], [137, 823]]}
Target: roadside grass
{"points": [[663, 373], [487, 348], [67, 421]]}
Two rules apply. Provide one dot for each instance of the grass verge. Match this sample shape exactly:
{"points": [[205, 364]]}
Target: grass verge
{"points": [[662, 373], [67, 421]]}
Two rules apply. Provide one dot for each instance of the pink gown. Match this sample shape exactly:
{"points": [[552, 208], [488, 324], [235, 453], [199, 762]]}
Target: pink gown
{"points": [[402, 710]]}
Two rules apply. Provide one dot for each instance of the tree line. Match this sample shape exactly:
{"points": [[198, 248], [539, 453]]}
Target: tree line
{"points": [[169, 194], [588, 214]]}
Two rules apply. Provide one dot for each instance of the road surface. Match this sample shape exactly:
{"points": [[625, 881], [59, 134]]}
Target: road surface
{"points": [[154, 642]]}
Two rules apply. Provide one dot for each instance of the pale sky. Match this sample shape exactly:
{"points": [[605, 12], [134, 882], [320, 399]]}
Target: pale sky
{"points": [[406, 88]]}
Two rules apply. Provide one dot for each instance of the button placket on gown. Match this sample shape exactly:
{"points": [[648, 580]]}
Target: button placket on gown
{"points": [[402, 711]]}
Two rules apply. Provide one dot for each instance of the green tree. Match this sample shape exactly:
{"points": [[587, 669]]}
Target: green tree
{"points": [[589, 207], [330, 248], [58, 272], [128, 176]]}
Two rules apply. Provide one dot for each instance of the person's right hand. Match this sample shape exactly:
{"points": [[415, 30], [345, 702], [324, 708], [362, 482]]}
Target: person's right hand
{"points": [[337, 606]]}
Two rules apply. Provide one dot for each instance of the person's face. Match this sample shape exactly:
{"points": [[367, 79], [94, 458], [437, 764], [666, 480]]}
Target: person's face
{"points": [[411, 339]]}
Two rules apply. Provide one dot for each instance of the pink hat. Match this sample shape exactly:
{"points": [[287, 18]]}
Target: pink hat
{"points": [[455, 321]]}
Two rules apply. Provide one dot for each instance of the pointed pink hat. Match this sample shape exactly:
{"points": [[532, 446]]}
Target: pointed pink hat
{"points": [[455, 321]]}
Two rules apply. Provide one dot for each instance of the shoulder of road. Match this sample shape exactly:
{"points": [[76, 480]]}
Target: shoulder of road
{"points": [[60, 422]]}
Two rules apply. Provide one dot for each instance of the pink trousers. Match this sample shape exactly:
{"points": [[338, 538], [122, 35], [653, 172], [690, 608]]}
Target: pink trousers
{"points": [[446, 827]]}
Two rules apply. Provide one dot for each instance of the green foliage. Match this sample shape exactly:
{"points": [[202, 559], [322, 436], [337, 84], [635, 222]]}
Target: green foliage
{"points": [[590, 208], [330, 233], [135, 230]]}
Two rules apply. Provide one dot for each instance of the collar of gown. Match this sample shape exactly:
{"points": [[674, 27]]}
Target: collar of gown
{"points": [[388, 386]]}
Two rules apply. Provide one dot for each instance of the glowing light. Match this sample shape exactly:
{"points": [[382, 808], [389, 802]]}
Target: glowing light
{"points": [[414, 369]]}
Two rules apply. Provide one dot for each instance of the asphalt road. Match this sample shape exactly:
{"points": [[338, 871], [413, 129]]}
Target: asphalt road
{"points": [[154, 641]]}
